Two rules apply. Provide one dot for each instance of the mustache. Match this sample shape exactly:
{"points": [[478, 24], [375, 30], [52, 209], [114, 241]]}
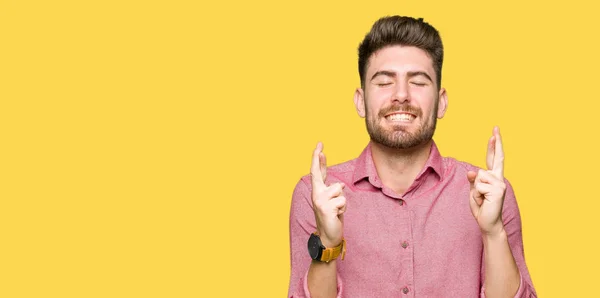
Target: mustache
{"points": [[407, 108]]}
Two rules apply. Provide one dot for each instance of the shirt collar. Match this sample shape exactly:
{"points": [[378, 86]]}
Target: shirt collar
{"points": [[365, 167]]}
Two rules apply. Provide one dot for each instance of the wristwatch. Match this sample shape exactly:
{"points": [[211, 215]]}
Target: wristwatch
{"points": [[321, 253]]}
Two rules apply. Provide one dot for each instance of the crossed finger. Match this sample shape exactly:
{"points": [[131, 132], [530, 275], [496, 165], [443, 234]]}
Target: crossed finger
{"points": [[495, 154]]}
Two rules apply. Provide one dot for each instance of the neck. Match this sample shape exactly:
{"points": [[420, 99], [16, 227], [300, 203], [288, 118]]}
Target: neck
{"points": [[398, 168]]}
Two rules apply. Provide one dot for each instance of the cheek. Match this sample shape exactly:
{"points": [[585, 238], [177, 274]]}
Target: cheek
{"points": [[424, 99], [384, 94], [422, 93], [377, 99]]}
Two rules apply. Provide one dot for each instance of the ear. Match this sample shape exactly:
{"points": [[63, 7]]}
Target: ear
{"points": [[443, 103], [359, 102]]}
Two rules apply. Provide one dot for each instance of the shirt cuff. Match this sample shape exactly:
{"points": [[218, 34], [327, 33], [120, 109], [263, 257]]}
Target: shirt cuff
{"points": [[307, 293]]}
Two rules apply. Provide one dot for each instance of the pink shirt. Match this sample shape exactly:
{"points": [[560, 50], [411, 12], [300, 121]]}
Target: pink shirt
{"points": [[422, 243]]}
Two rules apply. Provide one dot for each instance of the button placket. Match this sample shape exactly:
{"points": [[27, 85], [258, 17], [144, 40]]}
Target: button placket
{"points": [[406, 251]]}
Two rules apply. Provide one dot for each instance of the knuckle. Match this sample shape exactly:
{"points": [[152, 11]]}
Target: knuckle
{"points": [[314, 199], [320, 195], [318, 205], [317, 196], [503, 186]]}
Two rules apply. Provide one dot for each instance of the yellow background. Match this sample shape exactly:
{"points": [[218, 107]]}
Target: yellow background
{"points": [[150, 148]]}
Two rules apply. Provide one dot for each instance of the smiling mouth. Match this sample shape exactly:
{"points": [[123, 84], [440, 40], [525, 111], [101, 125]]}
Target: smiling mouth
{"points": [[400, 117]]}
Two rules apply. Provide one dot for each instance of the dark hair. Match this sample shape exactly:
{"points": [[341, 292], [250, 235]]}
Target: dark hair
{"points": [[404, 31]]}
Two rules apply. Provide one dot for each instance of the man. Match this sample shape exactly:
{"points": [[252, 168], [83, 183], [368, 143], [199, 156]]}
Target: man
{"points": [[401, 220]]}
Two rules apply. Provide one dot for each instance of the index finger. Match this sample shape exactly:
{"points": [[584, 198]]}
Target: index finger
{"points": [[498, 155], [315, 168]]}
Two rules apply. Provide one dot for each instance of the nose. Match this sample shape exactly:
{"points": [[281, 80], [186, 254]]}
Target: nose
{"points": [[401, 92]]}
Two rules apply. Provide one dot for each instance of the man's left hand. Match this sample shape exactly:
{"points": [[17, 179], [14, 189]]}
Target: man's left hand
{"points": [[488, 189]]}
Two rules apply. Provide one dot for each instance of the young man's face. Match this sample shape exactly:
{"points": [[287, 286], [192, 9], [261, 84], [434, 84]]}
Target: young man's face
{"points": [[400, 100]]}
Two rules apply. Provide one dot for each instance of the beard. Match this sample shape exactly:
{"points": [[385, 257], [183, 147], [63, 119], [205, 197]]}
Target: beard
{"points": [[398, 137]]}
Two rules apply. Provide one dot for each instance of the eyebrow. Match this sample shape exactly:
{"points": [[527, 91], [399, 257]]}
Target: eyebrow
{"points": [[392, 74], [383, 73], [411, 74]]}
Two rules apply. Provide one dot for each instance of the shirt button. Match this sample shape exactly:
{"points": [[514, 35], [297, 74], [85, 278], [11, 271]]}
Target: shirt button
{"points": [[405, 290], [404, 244], [401, 202]]}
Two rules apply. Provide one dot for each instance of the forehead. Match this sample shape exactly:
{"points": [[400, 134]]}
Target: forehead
{"points": [[400, 59]]}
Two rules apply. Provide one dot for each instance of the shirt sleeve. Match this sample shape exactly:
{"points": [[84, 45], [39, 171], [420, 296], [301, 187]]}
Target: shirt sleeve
{"points": [[512, 225], [302, 224]]}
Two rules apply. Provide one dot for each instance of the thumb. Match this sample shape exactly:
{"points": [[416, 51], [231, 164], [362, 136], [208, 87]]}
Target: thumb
{"points": [[471, 177], [335, 190]]}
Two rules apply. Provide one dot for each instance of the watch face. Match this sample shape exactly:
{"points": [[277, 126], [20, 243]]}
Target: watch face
{"points": [[315, 247]]}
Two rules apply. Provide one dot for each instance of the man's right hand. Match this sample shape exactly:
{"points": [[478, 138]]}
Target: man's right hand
{"points": [[329, 203]]}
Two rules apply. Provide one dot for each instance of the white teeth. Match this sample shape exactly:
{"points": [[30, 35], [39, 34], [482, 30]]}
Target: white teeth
{"points": [[400, 117]]}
